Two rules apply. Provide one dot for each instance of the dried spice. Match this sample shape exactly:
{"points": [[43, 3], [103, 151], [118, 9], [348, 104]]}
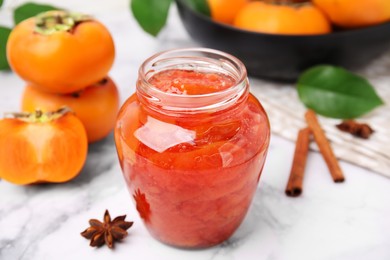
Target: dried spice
{"points": [[314, 128], [357, 129], [295, 182], [107, 232], [324, 146]]}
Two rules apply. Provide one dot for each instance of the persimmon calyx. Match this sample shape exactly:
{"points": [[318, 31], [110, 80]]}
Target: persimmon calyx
{"points": [[50, 22], [39, 116]]}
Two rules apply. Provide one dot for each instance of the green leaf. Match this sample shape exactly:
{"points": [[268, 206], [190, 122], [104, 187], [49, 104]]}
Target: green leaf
{"points": [[28, 10], [151, 14], [335, 92], [4, 33], [200, 6], [1, 3]]}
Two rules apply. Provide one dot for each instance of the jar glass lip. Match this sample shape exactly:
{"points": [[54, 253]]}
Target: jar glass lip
{"points": [[227, 63], [199, 59]]}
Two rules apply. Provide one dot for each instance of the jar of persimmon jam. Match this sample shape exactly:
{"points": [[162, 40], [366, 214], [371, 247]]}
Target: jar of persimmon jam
{"points": [[192, 142]]}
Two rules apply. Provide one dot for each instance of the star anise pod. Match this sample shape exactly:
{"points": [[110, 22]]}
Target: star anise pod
{"points": [[106, 232], [357, 129]]}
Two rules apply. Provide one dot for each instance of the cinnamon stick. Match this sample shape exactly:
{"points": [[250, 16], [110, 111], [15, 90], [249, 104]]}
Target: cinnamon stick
{"points": [[295, 182], [324, 146]]}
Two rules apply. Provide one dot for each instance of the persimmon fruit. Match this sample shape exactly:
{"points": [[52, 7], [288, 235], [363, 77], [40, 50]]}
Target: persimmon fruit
{"points": [[355, 13], [60, 52], [224, 11], [42, 147], [96, 106], [284, 18]]}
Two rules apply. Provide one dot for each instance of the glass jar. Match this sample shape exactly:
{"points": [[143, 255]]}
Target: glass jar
{"points": [[192, 142]]}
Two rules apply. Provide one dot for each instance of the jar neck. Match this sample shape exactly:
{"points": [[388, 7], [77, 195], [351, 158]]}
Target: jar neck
{"points": [[193, 59]]}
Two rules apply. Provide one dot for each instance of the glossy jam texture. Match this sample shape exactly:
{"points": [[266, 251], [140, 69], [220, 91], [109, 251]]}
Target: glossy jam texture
{"points": [[192, 177], [189, 82]]}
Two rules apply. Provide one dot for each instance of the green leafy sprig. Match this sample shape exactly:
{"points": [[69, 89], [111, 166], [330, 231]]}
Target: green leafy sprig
{"points": [[152, 14], [335, 92], [4, 33]]}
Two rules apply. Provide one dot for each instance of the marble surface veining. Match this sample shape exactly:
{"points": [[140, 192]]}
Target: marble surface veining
{"points": [[349, 221]]}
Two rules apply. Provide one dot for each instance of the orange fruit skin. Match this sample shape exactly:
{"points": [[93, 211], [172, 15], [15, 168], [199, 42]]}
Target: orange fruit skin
{"points": [[53, 151], [63, 62], [96, 106], [282, 19], [224, 11], [355, 13]]}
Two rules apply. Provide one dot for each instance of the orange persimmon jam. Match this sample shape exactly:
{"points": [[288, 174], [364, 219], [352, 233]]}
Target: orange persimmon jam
{"points": [[192, 142]]}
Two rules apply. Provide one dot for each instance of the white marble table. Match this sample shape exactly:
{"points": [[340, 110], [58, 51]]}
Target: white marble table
{"points": [[349, 221]]}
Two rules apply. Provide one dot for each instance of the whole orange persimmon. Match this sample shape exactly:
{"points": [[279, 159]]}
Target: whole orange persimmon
{"points": [[96, 106], [42, 147], [60, 52], [355, 13], [224, 11], [287, 17]]}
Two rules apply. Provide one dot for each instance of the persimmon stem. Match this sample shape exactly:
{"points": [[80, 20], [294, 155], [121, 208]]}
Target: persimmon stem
{"points": [[51, 22], [39, 115]]}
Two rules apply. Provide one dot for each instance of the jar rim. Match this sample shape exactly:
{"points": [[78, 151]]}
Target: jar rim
{"points": [[222, 61]]}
